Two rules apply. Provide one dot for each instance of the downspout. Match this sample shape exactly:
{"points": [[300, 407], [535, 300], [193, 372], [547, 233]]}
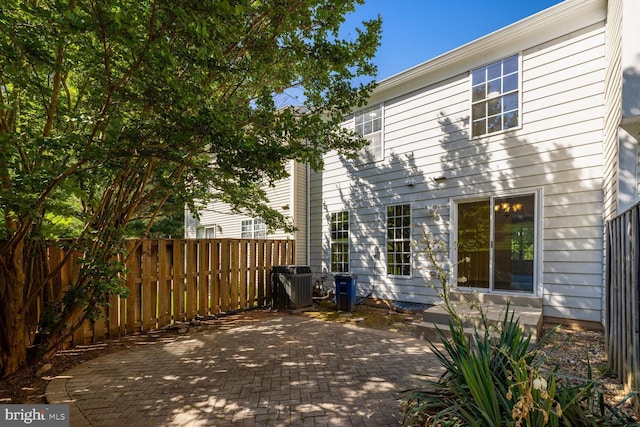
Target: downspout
{"points": [[308, 228], [293, 206]]}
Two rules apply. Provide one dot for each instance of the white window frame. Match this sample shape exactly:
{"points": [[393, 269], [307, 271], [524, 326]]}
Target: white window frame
{"points": [[341, 242], [206, 231], [492, 96], [370, 127], [255, 229], [538, 260], [402, 239]]}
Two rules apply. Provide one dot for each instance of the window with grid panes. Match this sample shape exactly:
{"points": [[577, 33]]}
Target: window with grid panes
{"points": [[253, 229], [368, 123], [495, 98], [399, 240], [340, 242]]}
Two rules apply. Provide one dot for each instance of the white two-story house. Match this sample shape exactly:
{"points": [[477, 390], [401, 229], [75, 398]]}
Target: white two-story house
{"points": [[288, 196], [514, 149]]}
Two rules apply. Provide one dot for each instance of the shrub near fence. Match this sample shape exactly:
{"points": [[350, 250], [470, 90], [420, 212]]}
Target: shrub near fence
{"points": [[174, 280], [622, 325]]}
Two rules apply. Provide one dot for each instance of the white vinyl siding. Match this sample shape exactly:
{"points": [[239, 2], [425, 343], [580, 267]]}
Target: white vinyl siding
{"points": [[299, 211], [288, 196], [556, 152], [622, 117], [318, 226], [573, 192]]}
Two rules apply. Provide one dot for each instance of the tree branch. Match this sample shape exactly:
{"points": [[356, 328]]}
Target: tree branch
{"points": [[55, 91]]}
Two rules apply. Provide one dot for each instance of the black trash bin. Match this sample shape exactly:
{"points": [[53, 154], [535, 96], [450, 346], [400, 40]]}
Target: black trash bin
{"points": [[345, 291], [291, 286]]}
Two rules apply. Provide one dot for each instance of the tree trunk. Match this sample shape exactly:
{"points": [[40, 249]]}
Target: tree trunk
{"points": [[14, 337]]}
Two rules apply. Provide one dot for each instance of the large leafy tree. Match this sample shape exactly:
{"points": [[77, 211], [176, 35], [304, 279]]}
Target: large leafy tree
{"points": [[110, 107]]}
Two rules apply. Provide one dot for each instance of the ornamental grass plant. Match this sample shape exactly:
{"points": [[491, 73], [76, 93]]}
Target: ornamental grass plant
{"points": [[496, 376]]}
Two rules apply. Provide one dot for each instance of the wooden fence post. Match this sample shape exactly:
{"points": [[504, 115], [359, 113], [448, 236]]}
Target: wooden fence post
{"points": [[262, 272], [203, 277], [165, 258], [149, 284], [179, 277], [134, 284], [192, 274], [242, 277], [234, 283], [214, 257], [225, 273], [269, 262], [252, 297]]}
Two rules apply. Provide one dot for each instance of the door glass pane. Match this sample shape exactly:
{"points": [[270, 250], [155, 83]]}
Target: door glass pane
{"points": [[474, 233], [514, 243]]}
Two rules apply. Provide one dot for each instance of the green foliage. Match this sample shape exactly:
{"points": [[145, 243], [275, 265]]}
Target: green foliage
{"points": [[168, 224], [110, 108], [495, 376], [183, 98], [498, 379]]}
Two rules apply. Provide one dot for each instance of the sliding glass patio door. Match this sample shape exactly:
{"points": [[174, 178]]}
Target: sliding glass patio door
{"points": [[498, 235]]}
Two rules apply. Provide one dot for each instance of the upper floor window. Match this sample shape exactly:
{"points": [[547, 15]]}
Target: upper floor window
{"points": [[340, 242], [368, 123], [495, 100], [253, 229]]}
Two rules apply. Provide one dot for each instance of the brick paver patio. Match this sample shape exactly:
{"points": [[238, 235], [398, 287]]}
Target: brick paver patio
{"points": [[277, 370]]}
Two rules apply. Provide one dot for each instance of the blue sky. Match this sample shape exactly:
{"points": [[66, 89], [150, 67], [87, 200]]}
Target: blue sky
{"points": [[414, 31]]}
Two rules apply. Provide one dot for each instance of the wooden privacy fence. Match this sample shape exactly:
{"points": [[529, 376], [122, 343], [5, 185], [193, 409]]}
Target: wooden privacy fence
{"points": [[622, 326], [179, 279]]}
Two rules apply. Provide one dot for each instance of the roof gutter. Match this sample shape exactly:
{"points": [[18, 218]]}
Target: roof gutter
{"points": [[556, 21]]}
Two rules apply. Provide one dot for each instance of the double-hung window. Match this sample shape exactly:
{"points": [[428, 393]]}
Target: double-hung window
{"points": [[253, 229], [495, 97], [206, 232], [369, 123], [340, 242], [399, 240]]}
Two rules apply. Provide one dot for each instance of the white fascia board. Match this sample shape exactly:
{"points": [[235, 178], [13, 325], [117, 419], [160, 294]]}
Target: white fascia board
{"points": [[556, 21]]}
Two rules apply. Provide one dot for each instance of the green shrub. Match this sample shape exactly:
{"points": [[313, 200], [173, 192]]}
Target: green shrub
{"points": [[495, 377]]}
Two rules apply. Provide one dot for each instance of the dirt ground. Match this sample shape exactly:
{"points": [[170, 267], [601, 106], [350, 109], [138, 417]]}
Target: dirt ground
{"points": [[571, 348]]}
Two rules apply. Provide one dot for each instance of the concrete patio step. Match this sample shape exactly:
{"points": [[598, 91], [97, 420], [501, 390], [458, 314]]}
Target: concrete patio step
{"points": [[527, 309]]}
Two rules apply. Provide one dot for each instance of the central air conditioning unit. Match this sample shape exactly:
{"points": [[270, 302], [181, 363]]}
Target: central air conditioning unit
{"points": [[291, 286]]}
